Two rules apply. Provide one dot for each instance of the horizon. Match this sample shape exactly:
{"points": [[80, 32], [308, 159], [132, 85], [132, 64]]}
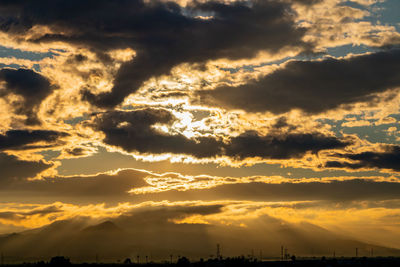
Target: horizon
{"points": [[171, 126]]}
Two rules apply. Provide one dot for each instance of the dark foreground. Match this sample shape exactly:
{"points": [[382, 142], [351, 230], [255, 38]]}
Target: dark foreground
{"points": [[183, 262]]}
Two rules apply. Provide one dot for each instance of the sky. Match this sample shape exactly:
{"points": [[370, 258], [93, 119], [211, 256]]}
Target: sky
{"points": [[189, 116]]}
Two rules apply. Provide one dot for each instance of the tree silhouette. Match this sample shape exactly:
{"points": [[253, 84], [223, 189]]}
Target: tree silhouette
{"points": [[183, 262]]}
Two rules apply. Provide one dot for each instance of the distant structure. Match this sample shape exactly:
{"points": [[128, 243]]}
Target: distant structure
{"points": [[183, 262], [284, 253], [218, 252], [127, 261], [60, 261]]}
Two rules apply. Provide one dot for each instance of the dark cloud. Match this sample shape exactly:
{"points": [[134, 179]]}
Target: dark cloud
{"points": [[307, 2], [163, 33], [43, 211], [26, 139], [333, 191], [285, 146], [8, 215], [14, 169], [389, 159], [31, 86], [134, 131], [98, 188], [77, 152], [101, 185], [114, 188], [16, 216], [313, 86], [357, 189], [164, 214]]}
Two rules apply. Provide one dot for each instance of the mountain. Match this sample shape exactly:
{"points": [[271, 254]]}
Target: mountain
{"points": [[129, 236], [104, 227]]}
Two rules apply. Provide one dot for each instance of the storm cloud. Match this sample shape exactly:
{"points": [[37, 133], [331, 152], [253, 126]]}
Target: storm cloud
{"points": [[286, 146], [162, 33], [31, 86], [389, 159], [133, 131], [27, 139], [313, 86], [350, 190]]}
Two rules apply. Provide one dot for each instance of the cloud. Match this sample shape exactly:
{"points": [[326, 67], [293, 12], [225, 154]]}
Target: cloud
{"points": [[82, 151], [312, 86], [28, 139], [291, 145], [28, 84], [167, 211], [335, 23], [347, 190], [388, 159], [138, 185], [134, 131], [14, 169], [163, 34], [98, 187], [41, 211]]}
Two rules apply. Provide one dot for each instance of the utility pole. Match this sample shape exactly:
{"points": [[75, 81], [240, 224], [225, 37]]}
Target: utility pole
{"points": [[356, 252], [218, 251]]}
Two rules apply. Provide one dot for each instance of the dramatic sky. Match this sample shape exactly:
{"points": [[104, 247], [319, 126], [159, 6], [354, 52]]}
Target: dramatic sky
{"points": [[223, 113]]}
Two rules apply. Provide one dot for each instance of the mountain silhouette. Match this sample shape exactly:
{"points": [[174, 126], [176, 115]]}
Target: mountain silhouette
{"points": [[129, 236], [106, 227]]}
